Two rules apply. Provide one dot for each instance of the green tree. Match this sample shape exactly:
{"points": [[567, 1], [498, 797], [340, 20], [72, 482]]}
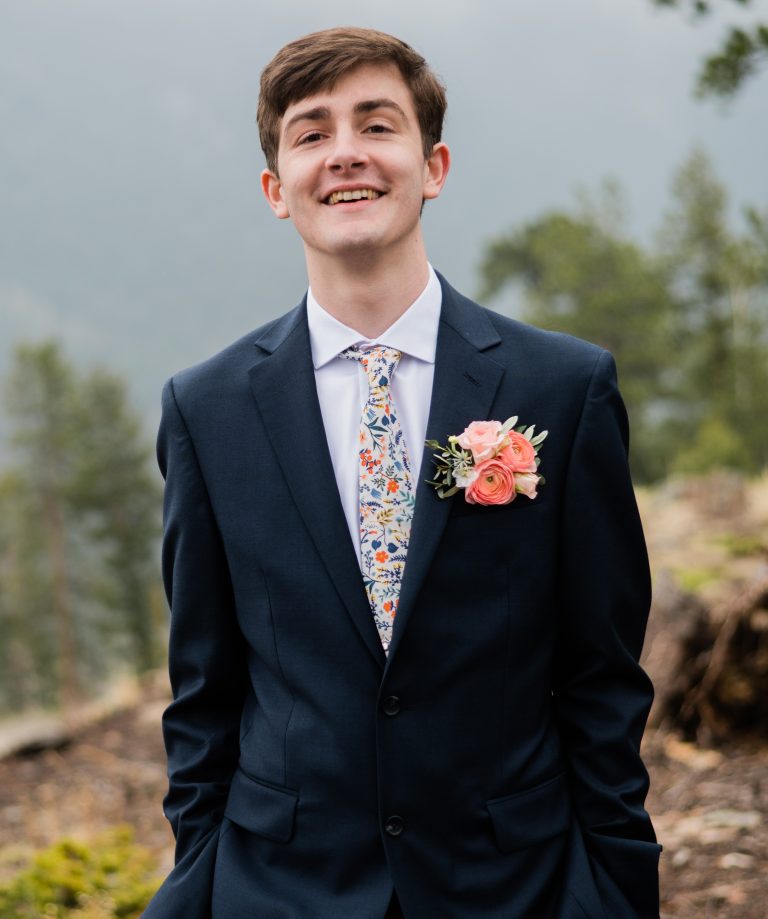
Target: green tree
{"points": [[688, 323], [30, 669], [741, 54], [116, 496], [78, 532], [580, 275], [40, 403], [720, 279]]}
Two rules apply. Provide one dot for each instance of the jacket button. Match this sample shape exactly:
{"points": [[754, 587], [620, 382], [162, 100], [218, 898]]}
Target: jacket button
{"points": [[394, 825], [391, 706]]}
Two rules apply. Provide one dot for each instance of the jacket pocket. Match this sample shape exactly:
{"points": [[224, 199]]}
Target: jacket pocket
{"points": [[462, 508], [531, 816], [267, 810]]}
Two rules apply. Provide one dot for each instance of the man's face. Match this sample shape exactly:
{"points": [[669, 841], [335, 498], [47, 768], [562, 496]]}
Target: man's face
{"points": [[352, 173]]}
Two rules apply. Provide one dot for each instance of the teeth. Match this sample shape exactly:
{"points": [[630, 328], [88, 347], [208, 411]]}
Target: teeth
{"points": [[355, 195]]}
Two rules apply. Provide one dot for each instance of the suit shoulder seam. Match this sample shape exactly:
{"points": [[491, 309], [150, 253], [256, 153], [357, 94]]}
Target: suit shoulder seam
{"points": [[192, 447], [585, 399]]}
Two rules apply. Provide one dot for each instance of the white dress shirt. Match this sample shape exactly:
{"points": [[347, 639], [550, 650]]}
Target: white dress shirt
{"points": [[342, 386]]}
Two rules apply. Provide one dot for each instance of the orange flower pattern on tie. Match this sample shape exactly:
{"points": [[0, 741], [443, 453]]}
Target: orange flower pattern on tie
{"points": [[386, 489]]}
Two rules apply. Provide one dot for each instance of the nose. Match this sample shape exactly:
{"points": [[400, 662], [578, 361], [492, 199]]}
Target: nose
{"points": [[346, 152]]}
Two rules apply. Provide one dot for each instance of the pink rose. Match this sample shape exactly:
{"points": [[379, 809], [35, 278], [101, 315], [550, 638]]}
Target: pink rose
{"points": [[494, 484], [482, 438], [525, 483], [519, 455]]}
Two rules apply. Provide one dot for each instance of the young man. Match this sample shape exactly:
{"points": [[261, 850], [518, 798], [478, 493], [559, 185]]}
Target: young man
{"points": [[389, 702]]}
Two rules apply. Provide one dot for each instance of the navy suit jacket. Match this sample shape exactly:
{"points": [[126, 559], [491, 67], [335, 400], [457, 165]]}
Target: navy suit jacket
{"points": [[489, 766]]}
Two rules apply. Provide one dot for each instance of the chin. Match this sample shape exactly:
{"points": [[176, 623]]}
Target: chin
{"points": [[356, 245]]}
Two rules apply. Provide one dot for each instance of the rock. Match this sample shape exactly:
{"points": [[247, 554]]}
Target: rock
{"points": [[705, 829], [728, 893], [742, 820], [32, 734], [681, 857], [692, 756], [736, 860]]}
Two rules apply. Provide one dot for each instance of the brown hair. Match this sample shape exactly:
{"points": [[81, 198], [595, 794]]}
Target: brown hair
{"points": [[315, 63]]}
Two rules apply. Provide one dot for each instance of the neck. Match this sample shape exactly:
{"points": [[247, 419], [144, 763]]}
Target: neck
{"points": [[370, 291]]}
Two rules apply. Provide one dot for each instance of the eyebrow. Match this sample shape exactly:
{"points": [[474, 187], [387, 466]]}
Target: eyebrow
{"points": [[312, 114], [370, 105], [321, 112]]}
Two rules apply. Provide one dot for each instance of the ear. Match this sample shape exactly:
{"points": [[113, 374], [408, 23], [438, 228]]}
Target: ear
{"points": [[273, 192], [436, 170]]}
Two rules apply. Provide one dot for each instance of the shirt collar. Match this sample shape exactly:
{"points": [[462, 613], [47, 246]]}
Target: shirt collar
{"points": [[414, 333]]}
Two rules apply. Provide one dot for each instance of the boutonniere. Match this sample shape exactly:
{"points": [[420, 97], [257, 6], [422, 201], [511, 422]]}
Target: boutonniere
{"points": [[491, 461]]}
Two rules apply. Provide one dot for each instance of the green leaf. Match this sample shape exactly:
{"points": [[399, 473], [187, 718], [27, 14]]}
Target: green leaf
{"points": [[509, 424]]}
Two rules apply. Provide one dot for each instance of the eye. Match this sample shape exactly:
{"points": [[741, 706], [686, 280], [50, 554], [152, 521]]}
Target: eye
{"points": [[310, 138], [378, 129]]}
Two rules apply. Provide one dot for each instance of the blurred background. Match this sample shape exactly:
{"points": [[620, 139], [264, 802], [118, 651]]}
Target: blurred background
{"points": [[609, 179]]}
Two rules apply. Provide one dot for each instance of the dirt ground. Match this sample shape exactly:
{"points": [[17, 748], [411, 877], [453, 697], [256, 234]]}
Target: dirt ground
{"points": [[710, 807]]}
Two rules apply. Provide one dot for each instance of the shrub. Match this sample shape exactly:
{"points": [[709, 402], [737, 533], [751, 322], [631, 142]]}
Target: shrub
{"points": [[109, 877]]}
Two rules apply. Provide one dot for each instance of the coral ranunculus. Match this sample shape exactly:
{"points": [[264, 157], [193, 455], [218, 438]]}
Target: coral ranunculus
{"points": [[519, 454], [495, 483]]}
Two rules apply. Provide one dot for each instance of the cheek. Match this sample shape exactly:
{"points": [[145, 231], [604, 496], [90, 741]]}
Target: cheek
{"points": [[295, 200]]}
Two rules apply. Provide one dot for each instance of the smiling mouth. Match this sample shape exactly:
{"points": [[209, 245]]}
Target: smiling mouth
{"points": [[358, 194]]}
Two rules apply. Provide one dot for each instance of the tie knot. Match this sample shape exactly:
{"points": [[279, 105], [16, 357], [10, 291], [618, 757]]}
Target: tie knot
{"points": [[379, 363]]}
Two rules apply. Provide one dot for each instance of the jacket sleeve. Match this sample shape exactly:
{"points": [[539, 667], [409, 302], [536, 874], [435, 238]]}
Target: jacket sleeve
{"points": [[206, 656], [601, 694]]}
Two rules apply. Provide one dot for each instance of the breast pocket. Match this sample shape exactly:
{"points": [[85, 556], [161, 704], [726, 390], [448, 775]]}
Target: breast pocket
{"points": [[462, 508]]}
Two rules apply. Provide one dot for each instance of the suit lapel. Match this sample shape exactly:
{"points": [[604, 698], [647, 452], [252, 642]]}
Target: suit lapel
{"points": [[283, 384], [465, 383]]}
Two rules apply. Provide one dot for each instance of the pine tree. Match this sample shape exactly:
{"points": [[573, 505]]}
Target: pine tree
{"points": [[80, 508]]}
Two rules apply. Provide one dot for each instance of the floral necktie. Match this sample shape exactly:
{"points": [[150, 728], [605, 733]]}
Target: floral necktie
{"points": [[385, 487]]}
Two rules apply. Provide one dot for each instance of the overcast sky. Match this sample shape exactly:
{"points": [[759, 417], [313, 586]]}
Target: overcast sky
{"points": [[132, 224]]}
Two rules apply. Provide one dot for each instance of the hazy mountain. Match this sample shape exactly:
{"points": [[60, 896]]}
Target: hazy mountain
{"points": [[132, 222]]}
